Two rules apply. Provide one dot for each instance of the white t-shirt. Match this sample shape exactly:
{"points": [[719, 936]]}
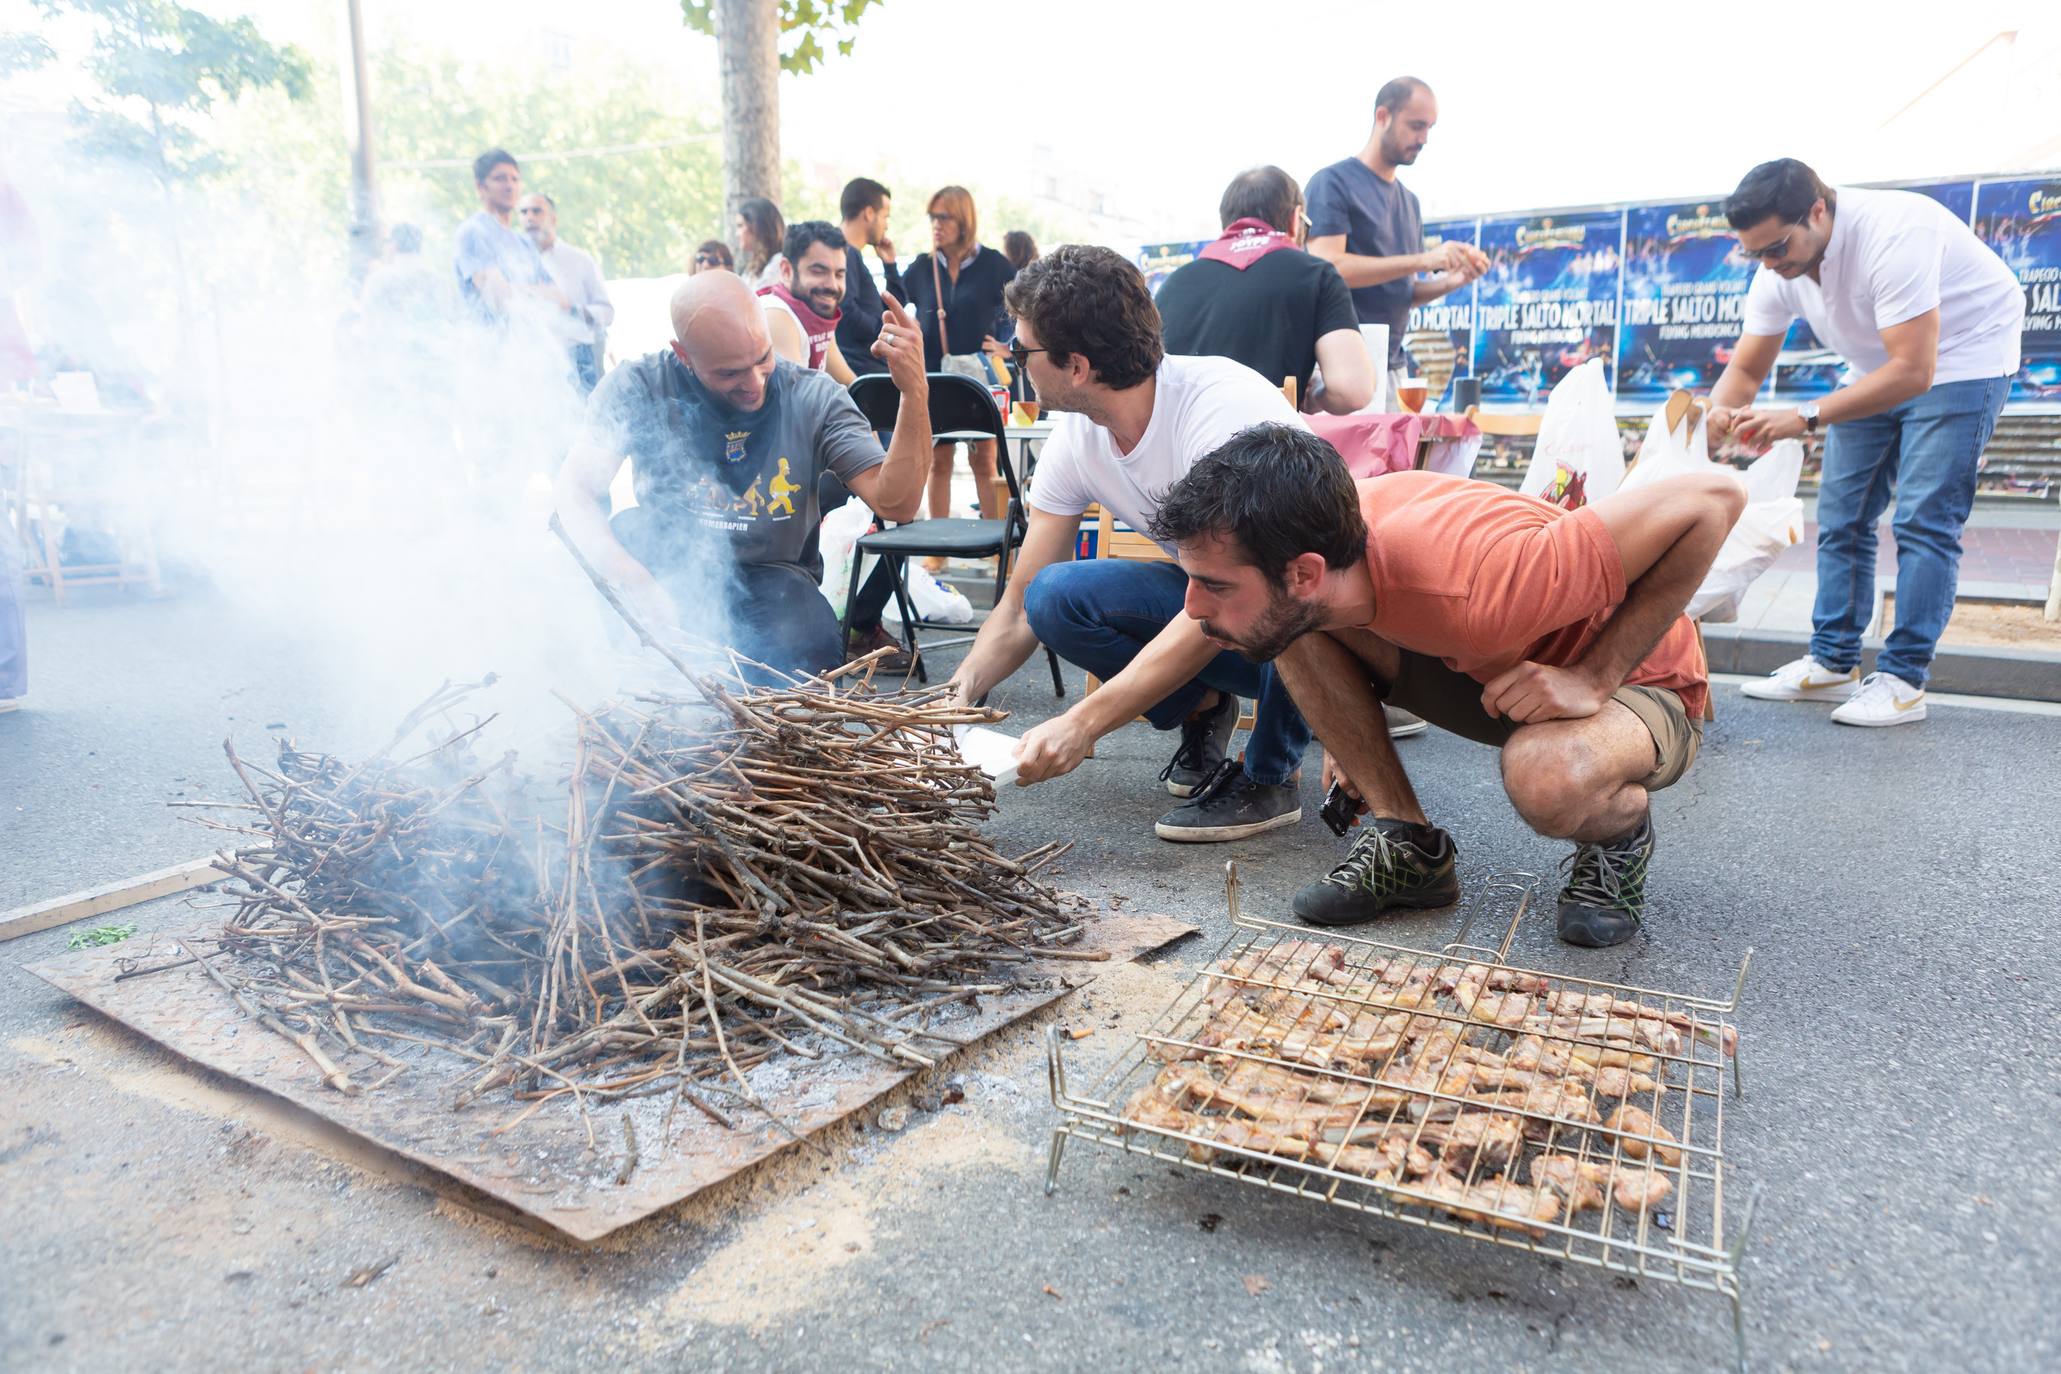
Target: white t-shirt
{"points": [[1199, 404], [1894, 255]]}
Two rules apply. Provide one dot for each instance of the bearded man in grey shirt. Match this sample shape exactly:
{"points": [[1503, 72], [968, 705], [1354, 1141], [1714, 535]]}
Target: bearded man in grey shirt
{"points": [[727, 440], [1368, 224]]}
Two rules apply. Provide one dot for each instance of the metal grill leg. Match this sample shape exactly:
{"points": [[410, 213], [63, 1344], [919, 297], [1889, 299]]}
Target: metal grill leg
{"points": [[1052, 1167]]}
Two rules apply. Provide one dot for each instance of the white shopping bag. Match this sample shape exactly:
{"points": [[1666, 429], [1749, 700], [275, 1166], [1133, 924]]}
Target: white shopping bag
{"points": [[1667, 450], [1578, 456], [837, 542], [931, 599], [1772, 521]]}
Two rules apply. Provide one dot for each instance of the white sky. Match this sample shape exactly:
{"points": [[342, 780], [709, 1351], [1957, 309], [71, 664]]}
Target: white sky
{"points": [[1540, 105]]}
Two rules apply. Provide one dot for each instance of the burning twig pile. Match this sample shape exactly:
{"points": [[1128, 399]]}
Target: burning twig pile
{"points": [[743, 872]]}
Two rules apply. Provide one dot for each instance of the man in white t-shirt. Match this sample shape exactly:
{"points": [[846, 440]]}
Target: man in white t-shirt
{"points": [[1130, 421], [1927, 319]]}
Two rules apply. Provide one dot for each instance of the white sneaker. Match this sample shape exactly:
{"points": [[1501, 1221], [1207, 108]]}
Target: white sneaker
{"points": [[1402, 724], [1884, 699], [1804, 680]]}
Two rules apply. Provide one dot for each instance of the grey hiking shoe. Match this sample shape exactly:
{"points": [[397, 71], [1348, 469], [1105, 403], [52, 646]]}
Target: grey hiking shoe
{"points": [[1605, 896], [1393, 865], [1229, 806], [1204, 739]]}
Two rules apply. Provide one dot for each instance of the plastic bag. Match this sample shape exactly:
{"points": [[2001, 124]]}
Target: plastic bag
{"points": [[932, 599], [1578, 456], [1772, 521], [1664, 451], [837, 541]]}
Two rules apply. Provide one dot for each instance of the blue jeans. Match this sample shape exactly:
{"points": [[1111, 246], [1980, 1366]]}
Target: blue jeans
{"points": [[1927, 449], [1099, 613]]}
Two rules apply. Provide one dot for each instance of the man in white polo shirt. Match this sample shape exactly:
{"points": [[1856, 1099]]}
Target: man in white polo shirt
{"points": [[1927, 319], [1131, 420]]}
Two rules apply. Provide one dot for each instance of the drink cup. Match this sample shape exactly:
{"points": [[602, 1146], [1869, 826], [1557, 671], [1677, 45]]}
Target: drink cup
{"points": [[1411, 392]]}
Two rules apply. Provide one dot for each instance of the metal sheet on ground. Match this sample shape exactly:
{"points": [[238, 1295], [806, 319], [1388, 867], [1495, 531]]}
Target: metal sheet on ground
{"points": [[545, 1168]]}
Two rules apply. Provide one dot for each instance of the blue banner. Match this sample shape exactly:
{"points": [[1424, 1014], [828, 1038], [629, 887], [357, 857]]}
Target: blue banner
{"points": [[1548, 303], [1440, 335], [2021, 220], [1158, 261], [1684, 293]]}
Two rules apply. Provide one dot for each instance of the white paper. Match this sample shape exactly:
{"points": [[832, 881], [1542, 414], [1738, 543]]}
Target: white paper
{"points": [[993, 752]]}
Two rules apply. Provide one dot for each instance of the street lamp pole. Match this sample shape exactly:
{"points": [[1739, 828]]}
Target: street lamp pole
{"points": [[358, 128]]}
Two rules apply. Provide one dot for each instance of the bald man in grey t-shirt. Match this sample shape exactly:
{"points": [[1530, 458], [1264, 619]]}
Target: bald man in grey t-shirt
{"points": [[727, 441]]}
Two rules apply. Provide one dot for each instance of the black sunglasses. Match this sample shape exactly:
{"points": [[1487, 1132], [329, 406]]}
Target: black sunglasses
{"points": [[1775, 251], [1020, 355]]}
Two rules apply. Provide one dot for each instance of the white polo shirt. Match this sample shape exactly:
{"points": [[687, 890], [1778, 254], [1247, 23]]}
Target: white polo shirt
{"points": [[1199, 403], [1894, 255]]}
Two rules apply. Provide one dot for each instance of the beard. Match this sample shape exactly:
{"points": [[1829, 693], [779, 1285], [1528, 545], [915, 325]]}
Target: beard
{"points": [[1283, 622]]}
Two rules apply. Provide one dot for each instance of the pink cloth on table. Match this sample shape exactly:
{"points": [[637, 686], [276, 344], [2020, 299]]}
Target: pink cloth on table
{"points": [[1376, 444]]}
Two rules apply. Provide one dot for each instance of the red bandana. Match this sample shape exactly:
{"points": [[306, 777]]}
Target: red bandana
{"points": [[1246, 242], [820, 330]]}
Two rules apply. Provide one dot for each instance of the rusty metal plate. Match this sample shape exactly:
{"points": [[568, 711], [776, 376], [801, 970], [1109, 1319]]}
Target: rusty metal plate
{"points": [[545, 1168]]}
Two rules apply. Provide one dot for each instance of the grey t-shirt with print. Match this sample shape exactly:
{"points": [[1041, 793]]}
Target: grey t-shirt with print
{"points": [[1380, 219], [688, 473]]}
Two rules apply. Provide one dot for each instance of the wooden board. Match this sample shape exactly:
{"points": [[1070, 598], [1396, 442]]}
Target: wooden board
{"points": [[98, 901], [545, 1168]]}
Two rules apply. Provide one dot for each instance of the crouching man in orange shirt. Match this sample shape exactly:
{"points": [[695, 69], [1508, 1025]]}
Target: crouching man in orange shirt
{"points": [[1557, 637]]}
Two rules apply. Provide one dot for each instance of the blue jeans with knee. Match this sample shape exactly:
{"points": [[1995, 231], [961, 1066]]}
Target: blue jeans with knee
{"points": [[1099, 613], [1926, 449]]}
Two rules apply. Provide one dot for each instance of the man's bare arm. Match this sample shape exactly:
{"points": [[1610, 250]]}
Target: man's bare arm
{"points": [[1005, 640], [1359, 270], [1667, 535], [895, 489], [1348, 372], [580, 497]]}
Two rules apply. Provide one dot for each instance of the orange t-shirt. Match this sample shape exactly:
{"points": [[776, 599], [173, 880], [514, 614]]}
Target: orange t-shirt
{"points": [[1485, 579]]}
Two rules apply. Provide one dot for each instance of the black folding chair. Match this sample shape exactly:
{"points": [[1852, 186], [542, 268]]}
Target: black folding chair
{"points": [[960, 409]]}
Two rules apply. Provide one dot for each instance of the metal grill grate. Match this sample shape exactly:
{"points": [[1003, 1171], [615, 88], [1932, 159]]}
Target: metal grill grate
{"points": [[1451, 1090]]}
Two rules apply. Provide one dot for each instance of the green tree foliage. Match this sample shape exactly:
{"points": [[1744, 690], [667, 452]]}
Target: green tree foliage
{"points": [[805, 26], [161, 69], [637, 182]]}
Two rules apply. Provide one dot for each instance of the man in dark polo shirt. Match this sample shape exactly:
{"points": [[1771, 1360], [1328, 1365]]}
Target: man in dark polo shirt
{"points": [[864, 207], [1255, 297], [1367, 223], [728, 440]]}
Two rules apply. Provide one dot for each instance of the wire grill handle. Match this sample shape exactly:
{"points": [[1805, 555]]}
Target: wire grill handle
{"points": [[1524, 885]]}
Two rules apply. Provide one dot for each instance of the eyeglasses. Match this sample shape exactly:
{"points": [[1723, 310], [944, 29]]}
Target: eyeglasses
{"points": [[944, 219], [707, 260], [1775, 251], [1020, 355]]}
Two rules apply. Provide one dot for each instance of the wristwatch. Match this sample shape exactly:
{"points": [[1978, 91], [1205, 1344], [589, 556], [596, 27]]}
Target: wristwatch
{"points": [[1808, 413]]}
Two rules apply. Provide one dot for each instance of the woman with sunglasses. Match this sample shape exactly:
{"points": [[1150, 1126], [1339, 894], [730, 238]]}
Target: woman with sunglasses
{"points": [[955, 292], [713, 255]]}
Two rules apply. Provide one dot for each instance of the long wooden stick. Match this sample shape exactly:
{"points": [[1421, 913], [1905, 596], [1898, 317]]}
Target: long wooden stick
{"points": [[98, 901]]}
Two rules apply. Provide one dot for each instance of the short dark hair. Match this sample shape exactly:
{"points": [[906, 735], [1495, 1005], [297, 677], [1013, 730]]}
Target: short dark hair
{"points": [[1094, 302], [861, 194], [1396, 93], [1266, 193], [806, 234], [483, 166], [1785, 188], [1279, 490]]}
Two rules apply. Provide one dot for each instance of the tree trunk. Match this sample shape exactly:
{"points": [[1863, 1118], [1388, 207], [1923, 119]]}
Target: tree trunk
{"points": [[748, 57]]}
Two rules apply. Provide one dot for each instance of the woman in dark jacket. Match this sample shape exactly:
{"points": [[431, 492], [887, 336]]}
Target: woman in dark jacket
{"points": [[967, 280]]}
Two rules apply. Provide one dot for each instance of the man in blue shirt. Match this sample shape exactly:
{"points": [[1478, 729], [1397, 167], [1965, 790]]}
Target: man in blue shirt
{"points": [[496, 264], [1368, 225]]}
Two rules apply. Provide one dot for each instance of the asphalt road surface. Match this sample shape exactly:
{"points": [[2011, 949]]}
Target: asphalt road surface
{"points": [[1899, 888]]}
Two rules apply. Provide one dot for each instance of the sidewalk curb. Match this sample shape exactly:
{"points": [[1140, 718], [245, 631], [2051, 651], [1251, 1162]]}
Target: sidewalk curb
{"points": [[2024, 674]]}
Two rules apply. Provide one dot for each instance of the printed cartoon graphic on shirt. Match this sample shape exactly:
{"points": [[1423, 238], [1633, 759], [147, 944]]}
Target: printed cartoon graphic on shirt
{"points": [[716, 506]]}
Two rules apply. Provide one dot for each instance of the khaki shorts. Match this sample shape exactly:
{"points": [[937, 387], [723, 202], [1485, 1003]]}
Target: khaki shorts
{"points": [[1452, 702]]}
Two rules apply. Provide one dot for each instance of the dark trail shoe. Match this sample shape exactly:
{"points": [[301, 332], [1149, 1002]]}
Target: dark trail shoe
{"points": [[1606, 889], [1204, 739], [1393, 865], [1230, 806]]}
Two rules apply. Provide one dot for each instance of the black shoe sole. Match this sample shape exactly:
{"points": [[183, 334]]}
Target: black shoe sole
{"points": [[1435, 900], [1594, 930]]}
